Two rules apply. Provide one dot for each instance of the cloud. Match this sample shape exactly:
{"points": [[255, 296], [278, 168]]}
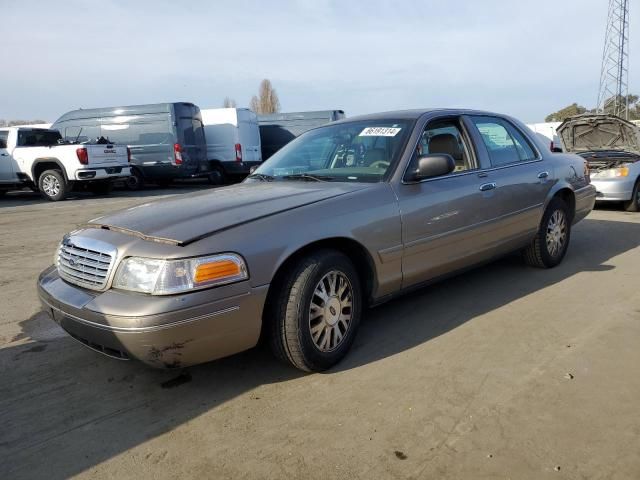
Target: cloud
{"points": [[521, 58]]}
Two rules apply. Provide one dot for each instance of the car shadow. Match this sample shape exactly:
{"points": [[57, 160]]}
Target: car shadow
{"points": [[65, 409]]}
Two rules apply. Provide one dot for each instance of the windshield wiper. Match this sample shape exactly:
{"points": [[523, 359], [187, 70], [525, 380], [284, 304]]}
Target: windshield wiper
{"points": [[308, 176], [263, 177]]}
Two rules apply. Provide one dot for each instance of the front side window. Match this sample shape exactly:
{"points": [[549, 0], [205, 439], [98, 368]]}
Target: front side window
{"points": [[362, 151], [505, 144], [445, 136]]}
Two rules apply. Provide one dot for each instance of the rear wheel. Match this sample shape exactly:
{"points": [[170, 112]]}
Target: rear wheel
{"points": [[135, 181], [552, 239], [52, 185], [316, 313], [217, 175], [633, 205]]}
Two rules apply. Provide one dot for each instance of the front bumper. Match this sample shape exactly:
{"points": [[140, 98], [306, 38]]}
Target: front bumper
{"points": [[192, 328], [614, 189], [106, 173]]}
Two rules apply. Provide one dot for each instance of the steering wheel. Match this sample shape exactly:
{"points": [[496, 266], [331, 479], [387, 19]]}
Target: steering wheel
{"points": [[380, 164]]}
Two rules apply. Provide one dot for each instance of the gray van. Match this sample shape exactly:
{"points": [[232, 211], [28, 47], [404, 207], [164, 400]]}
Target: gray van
{"points": [[166, 139], [278, 129]]}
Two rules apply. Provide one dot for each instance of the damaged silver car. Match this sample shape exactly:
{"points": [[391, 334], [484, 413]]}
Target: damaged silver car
{"points": [[611, 147]]}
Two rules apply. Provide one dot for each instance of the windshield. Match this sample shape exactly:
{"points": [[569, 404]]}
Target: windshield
{"points": [[361, 151]]}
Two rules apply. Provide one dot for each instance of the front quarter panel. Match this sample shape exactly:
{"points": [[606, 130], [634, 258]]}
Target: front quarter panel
{"points": [[369, 217]]}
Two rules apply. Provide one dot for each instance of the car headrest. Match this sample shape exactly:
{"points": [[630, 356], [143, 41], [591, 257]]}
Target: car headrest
{"points": [[445, 143], [375, 155]]}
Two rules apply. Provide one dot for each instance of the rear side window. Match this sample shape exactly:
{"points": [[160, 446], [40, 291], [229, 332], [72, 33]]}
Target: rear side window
{"points": [[3, 139], [505, 144], [38, 138], [140, 132]]}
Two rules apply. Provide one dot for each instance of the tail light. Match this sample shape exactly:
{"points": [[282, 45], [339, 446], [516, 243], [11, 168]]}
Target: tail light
{"points": [[238, 152], [177, 154], [587, 172], [128, 155], [83, 156]]}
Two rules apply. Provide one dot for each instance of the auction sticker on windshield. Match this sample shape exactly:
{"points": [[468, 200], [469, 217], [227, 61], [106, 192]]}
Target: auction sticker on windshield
{"points": [[380, 132]]}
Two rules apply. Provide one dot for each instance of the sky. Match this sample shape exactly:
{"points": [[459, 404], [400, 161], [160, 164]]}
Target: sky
{"points": [[526, 59]]}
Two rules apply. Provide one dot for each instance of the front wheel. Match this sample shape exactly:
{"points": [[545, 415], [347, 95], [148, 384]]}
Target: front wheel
{"points": [[550, 244], [52, 185], [633, 205], [316, 312]]}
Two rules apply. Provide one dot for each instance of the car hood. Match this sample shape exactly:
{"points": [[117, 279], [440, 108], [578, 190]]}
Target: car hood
{"points": [[183, 219], [592, 133]]}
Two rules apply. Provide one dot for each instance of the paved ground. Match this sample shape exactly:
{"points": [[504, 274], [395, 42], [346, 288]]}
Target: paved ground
{"points": [[503, 372]]}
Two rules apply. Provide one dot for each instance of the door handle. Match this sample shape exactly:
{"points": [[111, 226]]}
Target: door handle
{"points": [[543, 175], [485, 187]]}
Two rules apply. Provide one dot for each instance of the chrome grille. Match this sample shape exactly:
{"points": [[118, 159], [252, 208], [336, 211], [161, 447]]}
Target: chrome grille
{"points": [[85, 262]]}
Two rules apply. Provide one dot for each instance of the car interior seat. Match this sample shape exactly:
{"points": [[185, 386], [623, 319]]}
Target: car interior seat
{"points": [[448, 144]]}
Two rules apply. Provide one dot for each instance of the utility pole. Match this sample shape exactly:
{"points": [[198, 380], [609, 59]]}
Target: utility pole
{"points": [[614, 73]]}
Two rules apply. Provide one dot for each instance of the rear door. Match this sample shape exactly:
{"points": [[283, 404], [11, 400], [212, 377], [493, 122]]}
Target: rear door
{"points": [[7, 173], [448, 221], [191, 139], [249, 136], [522, 175]]}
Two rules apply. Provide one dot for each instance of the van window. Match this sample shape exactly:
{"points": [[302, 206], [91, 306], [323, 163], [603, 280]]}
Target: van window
{"points": [[4, 135], [140, 131], [192, 131], [80, 133]]}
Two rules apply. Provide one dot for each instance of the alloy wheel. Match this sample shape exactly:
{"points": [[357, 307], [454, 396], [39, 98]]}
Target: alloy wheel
{"points": [[330, 311], [556, 233], [51, 185]]}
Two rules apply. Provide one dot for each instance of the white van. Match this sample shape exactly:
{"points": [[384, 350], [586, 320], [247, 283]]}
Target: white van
{"points": [[547, 132], [233, 142]]}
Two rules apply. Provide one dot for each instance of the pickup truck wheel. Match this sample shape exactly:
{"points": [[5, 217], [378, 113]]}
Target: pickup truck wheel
{"points": [[101, 188], [633, 205], [52, 185], [316, 314], [552, 239], [135, 181]]}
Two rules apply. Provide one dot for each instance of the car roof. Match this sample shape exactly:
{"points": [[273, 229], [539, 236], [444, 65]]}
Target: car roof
{"points": [[414, 114]]}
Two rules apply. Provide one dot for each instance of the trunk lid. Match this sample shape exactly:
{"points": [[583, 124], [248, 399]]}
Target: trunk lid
{"points": [[599, 132]]}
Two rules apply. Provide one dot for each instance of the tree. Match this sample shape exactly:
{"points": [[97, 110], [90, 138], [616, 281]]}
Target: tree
{"points": [[229, 103], [267, 99], [566, 112]]}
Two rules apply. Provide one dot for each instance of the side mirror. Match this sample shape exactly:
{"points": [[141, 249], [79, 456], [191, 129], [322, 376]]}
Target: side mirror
{"points": [[434, 165]]}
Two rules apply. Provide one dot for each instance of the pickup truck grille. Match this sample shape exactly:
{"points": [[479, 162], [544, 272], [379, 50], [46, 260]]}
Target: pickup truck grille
{"points": [[86, 267]]}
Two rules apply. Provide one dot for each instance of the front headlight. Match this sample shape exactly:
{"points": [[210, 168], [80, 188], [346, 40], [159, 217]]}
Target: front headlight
{"points": [[612, 173], [166, 277]]}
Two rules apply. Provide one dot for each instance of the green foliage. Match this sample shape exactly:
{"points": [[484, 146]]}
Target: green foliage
{"points": [[609, 107], [566, 112]]}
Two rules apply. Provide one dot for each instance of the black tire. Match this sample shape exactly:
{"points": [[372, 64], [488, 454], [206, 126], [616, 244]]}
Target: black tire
{"points": [[52, 185], [633, 205], [135, 181], [101, 188], [217, 175], [289, 312], [540, 253]]}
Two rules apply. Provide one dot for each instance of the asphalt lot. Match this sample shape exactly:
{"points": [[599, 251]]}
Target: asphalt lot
{"points": [[502, 372]]}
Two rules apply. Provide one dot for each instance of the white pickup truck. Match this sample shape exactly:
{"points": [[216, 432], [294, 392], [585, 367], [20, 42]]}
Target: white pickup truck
{"points": [[37, 158]]}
